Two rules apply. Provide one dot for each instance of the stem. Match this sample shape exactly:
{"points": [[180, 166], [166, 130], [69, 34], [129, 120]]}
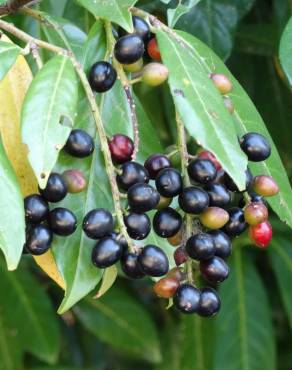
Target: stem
{"points": [[13, 5]]}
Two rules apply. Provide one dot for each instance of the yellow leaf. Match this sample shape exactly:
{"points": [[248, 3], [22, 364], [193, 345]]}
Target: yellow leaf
{"points": [[12, 92]]}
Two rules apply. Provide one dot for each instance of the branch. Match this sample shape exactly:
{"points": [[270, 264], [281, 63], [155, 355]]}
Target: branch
{"points": [[12, 6]]}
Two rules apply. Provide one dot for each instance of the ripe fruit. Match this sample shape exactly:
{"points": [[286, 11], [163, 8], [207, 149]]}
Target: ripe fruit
{"points": [[255, 213], [36, 208], [166, 287], [228, 104], [236, 224], [222, 243], [154, 74], [98, 223], [163, 203], [121, 148], [193, 200], [187, 298], [210, 302], [167, 222], [129, 49], [214, 270], [155, 163], [200, 247], [208, 155], [202, 170], [230, 184], [138, 225], [265, 186], [79, 144], [169, 182], [255, 146], [153, 261], [153, 49], [130, 266], [106, 252], [261, 234], [214, 217], [132, 173], [38, 239], [75, 181], [142, 198], [62, 221], [222, 82], [141, 28], [180, 256], [102, 76], [218, 194], [134, 67], [176, 239], [56, 188]]}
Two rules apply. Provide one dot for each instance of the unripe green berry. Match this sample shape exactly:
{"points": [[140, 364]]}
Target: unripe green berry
{"points": [[75, 181], [154, 74], [265, 186], [163, 202], [134, 67], [228, 104], [255, 213], [214, 218], [222, 82]]}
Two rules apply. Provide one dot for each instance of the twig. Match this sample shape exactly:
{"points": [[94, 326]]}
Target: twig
{"points": [[12, 6]]}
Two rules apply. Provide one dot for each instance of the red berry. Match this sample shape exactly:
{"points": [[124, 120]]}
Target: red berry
{"points": [[261, 234], [176, 273], [208, 155], [121, 148], [166, 287], [153, 49]]}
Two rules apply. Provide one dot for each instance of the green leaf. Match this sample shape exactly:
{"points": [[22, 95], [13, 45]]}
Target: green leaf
{"points": [[51, 99], [247, 119], [8, 54], [173, 15], [286, 51], [116, 11], [245, 337], [116, 319], [12, 224], [200, 105], [109, 277]]}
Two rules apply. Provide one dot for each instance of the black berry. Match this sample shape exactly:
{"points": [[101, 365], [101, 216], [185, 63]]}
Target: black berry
{"points": [[138, 225], [230, 184], [62, 221], [202, 170], [102, 76], [214, 270], [169, 182], [222, 243], [255, 146], [210, 302], [36, 208], [98, 223], [142, 198], [167, 222], [106, 252], [141, 28], [79, 144], [131, 174], [129, 49], [193, 200], [155, 163], [187, 298], [38, 239], [131, 266], [218, 194], [56, 188], [200, 247], [236, 224], [153, 261]]}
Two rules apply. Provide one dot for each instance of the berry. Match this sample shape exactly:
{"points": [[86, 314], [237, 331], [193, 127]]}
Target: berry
{"points": [[228, 104], [142, 198], [200, 247], [261, 234], [214, 217], [222, 243], [254, 198], [62, 221], [218, 194], [102, 76], [255, 213], [169, 182], [141, 28], [121, 148], [187, 298], [210, 302], [167, 222], [265, 186], [230, 184], [38, 239], [36, 208], [129, 49], [193, 200], [180, 256], [134, 67], [208, 155], [98, 223], [236, 224], [166, 287], [106, 252], [154, 74], [56, 188], [163, 203], [155, 163], [176, 239], [79, 144], [153, 261], [255, 146], [153, 49], [131, 174], [130, 266], [138, 225], [202, 170], [177, 274], [214, 270], [222, 83], [75, 181]]}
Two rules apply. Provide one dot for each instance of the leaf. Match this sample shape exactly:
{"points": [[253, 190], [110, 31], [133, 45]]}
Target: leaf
{"points": [[8, 54], [116, 320], [51, 97], [200, 105], [245, 337], [116, 11], [286, 50], [109, 277], [173, 15], [247, 119]]}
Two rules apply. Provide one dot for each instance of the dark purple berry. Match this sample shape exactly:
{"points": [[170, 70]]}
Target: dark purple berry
{"points": [[36, 208], [98, 223], [167, 222], [193, 200]]}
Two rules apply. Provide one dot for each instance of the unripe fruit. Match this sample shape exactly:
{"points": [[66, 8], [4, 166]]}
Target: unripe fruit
{"points": [[129, 49], [202, 170], [177, 274], [167, 222], [106, 252], [255, 213], [200, 247], [131, 174], [214, 270], [75, 181], [138, 225], [153, 261], [210, 302], [79, 144], [142, 198], [228, 104], [214, 217], [230, 184], [98, 223], [222, 82], [193, 200], [169, 182], [205, 154], [222, 243], [255, 146], [166, 287], [134, 67], [36, 208], [155, 163], [176, 239], [121, 148], [130, 266], [180, 256], [62, 221], [265, 186], [236, 224], [154, 74], [56, 188], [163, 202], [153, 49], [218, 194], [187, 299], [261, 234], [38, 239], [102, 76]]}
